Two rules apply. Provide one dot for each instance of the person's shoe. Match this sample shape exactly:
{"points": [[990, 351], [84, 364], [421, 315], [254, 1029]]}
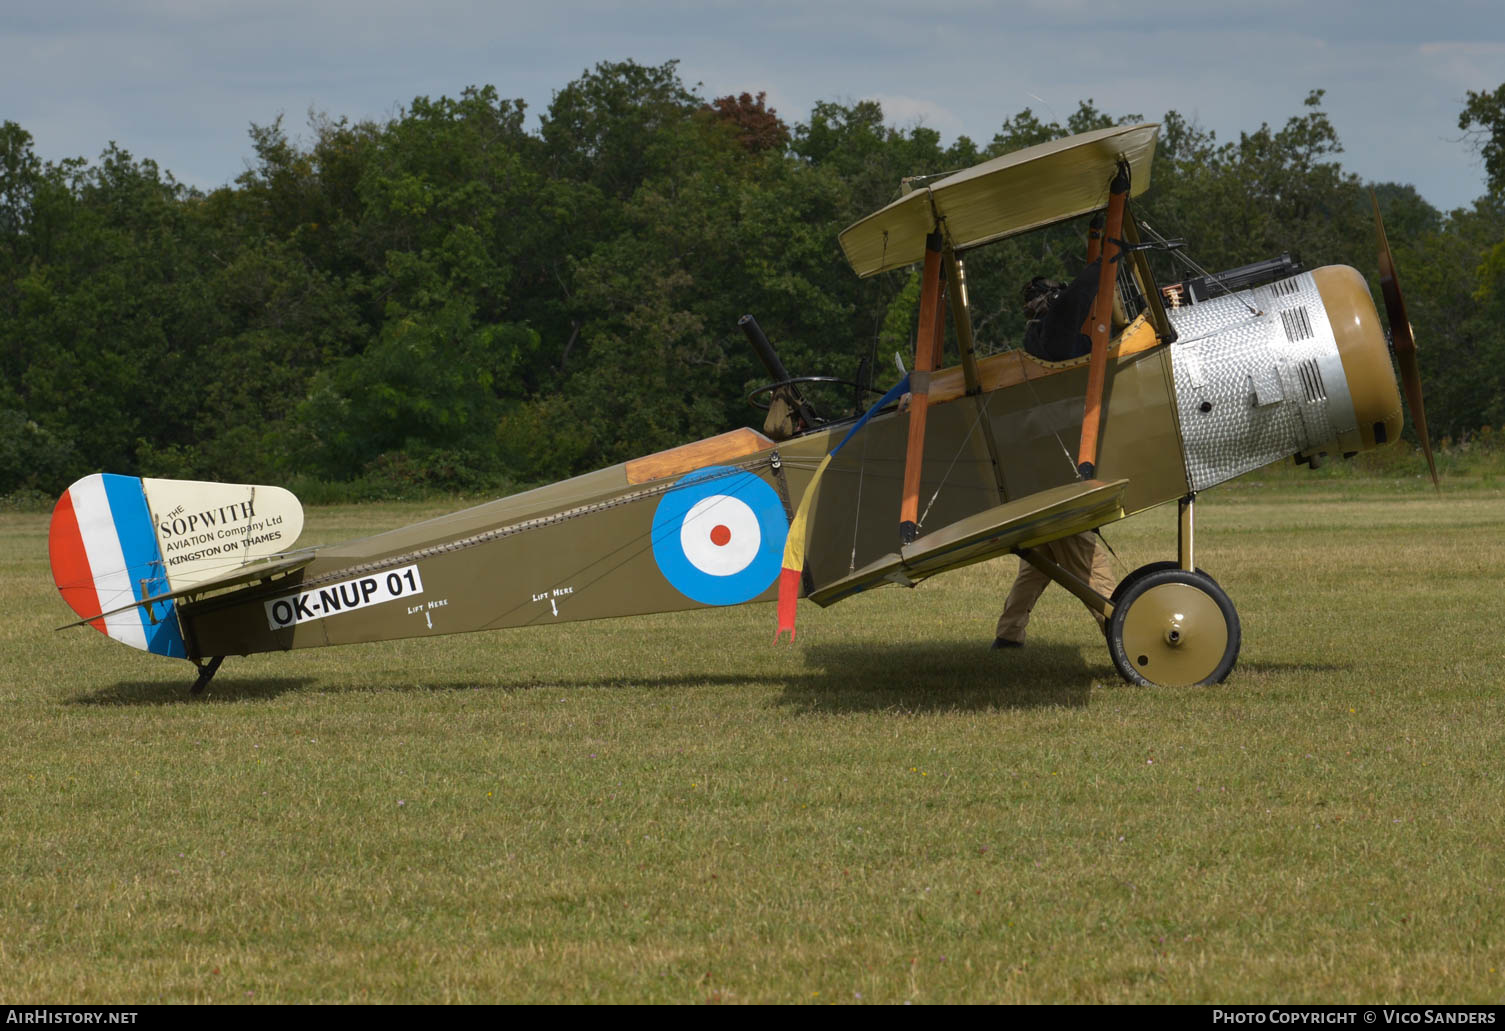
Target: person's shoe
{"points": [[1000, 643]]}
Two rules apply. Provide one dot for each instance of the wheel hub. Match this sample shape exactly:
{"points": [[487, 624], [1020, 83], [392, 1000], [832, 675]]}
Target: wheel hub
{"points": [[1175, 634]]}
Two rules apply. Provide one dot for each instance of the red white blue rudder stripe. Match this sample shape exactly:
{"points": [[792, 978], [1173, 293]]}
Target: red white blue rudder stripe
{"points": [[718, 536], [105, 556]]}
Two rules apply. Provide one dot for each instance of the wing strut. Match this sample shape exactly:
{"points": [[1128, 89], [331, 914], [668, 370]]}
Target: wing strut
{"points": [[961, 319], [1100, 322], [927, 352]]}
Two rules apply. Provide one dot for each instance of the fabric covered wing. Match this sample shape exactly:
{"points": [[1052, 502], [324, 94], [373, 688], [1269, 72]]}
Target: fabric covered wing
{"points": [[1022, 523]]}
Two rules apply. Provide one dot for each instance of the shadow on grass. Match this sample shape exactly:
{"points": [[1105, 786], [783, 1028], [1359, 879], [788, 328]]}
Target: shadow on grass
{"points": [[175, 692], [237, 689], [918, 677], [926, 677]]}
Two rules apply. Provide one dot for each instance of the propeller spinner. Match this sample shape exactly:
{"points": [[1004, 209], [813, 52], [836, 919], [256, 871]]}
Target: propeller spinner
{"points": [[1402, 340]]}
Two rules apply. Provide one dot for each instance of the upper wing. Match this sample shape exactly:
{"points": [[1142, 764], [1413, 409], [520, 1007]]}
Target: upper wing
{"points": [[1025, 190], [1023, 523]]}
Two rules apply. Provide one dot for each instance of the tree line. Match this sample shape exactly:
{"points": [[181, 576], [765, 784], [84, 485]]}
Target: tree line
{"points": [[449, 300]]}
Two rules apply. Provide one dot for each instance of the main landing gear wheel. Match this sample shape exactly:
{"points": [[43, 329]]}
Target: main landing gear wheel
{"points": [[1173, 628], [1146, 570]]}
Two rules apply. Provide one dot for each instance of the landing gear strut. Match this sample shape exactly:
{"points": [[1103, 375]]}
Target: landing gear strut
{"points": [[1172, 624], [206, 674]]}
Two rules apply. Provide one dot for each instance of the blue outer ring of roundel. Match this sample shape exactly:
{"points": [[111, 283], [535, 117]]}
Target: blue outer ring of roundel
{"points": [[754, 578]]}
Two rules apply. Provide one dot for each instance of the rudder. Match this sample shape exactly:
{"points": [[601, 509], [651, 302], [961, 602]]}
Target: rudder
{"points": [[105, 556]]}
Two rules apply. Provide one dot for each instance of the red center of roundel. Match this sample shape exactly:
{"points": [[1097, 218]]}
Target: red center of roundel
{"points": [[720, 535]]}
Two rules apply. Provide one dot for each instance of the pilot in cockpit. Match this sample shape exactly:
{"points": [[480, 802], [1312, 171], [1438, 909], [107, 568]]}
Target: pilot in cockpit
{"points": [[1056, 314]]}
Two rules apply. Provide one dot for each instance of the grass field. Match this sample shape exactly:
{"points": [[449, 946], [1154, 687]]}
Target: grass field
{"points": [[671, 809]]}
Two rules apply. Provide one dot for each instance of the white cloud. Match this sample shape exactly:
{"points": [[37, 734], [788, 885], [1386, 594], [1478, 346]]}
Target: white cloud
{"points": [[1476, 65], [910, 111], [180, 80]]}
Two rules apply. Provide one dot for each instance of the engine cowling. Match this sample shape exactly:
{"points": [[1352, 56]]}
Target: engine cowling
{"points": [[1298, 367]]}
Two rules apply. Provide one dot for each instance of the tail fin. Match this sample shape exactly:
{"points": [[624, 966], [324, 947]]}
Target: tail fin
{"points": [[117, 540]]}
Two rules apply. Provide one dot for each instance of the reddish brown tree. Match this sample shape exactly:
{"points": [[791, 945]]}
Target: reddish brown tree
{"points": [[758, 126]]}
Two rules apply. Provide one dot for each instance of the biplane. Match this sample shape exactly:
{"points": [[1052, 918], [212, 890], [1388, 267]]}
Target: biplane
{"points": [[1169, 390]]}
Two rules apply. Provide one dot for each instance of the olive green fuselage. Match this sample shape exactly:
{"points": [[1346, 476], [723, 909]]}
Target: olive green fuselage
{"points": [[584, 548]]}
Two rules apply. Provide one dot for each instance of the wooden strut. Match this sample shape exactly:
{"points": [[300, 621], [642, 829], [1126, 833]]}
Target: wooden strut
{"points": [[1099, 322], [928, 343], [961, 321], [1095, 238]]}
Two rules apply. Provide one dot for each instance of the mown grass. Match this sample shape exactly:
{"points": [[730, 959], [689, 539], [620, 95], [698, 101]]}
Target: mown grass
{"points": [[671, 809], [1473, 462]]}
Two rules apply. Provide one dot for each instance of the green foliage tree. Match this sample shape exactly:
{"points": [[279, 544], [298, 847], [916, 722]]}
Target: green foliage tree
{"points": [[1483, 122], [617, 125], [446, 299], [112, 307], [1269, 192], [1459, 327]]}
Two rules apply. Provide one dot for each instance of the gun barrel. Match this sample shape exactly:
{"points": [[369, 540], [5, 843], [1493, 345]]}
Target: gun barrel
{"points": [[764, 349], [1202, 288]]}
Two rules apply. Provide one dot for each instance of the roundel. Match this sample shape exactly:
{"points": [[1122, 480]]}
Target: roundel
{"points": [[718, 536]]}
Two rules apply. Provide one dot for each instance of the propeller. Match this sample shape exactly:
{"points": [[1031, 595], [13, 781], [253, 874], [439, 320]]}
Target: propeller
{"points": [[1402, 340]]}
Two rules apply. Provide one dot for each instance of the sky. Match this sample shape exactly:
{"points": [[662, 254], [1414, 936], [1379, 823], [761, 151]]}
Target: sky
{"points": [[181, 81]]}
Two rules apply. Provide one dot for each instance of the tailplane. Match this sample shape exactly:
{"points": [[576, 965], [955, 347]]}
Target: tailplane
{"points": [[117, 541]]}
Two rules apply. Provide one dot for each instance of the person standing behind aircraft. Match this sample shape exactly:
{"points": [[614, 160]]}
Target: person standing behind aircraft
{"points": [[1056, 313], [1082, 555]]}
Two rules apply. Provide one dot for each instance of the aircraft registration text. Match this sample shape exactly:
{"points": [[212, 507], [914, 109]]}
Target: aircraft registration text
{"points": [[345, 596]]}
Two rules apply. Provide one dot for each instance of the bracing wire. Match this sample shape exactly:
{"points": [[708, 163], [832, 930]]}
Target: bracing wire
{"points": [[1024, 371], [1187, 260], [982, 411]]}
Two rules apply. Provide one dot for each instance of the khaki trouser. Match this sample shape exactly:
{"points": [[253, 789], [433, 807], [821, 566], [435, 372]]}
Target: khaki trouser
{"points": [[1083, 555]]}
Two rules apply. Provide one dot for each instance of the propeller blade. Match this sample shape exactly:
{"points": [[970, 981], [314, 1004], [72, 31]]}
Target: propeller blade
{"points": [[1402, 340]]}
